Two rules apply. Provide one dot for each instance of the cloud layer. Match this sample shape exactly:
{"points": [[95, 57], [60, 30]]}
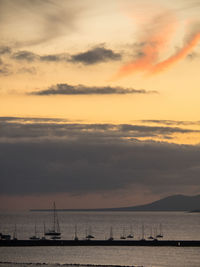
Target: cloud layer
{"points": [[14, 128], [66, 89], [92, 56], [86, 158], [95, 55]]}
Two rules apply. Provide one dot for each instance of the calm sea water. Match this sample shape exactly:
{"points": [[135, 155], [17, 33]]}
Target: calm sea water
{"points": [[175, 225]]}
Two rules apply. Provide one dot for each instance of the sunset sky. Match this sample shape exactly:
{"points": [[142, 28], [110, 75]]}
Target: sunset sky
{"points": [[99, 102]]}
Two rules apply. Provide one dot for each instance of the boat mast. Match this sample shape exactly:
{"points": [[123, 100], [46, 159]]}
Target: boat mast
{"points": [[111, 233], [15, 232], [161, 233], [131, 230], [54, 216], [76, 235], [142, 231], [35, 230], [58, 226]]}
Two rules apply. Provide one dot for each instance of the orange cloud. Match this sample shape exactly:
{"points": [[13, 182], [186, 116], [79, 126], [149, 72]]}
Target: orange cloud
{"points": [[178, 56], [154, 42]]}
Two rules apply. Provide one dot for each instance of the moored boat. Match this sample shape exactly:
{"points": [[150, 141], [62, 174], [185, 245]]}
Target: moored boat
{"points": [[75, 234], [5, 236], [160, 235], [123, 234], [151, 235], [55, 231], [89, 235], [34, 237], [111, 238], [15, 233], [131, 235]]}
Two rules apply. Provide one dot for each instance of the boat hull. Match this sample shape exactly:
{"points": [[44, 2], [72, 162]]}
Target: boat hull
{"points": [[53, 234]]}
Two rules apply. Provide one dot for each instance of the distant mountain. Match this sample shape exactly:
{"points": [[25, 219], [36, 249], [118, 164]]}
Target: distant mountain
{"points": [[171, 203]]}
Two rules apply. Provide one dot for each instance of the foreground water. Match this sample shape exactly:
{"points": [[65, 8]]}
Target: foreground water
{"points": [[175, 225]]}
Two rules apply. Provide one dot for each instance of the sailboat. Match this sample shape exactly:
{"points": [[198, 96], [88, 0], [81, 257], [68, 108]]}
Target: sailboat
{"points": [[75, 234], [43, 238], [160, 235], [131, 233], [143, 234], [111, 238], [15, 233], [151, 235], [35, 237], [55, 231], [90, 233], [123, 234]]}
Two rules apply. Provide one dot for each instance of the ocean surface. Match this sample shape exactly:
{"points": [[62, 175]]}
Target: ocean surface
{"points": [[174, 225]]}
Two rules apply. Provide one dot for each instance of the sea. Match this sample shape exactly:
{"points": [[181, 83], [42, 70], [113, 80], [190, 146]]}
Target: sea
{"points": [[174, 226]]}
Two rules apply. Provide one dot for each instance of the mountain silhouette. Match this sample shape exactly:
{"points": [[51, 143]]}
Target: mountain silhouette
{"points": [[170, 203]]}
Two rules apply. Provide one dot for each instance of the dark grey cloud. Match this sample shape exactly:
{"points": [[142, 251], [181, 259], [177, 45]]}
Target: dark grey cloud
{"points": [[55, 58], [154, 130], [88, 167], [24, 129], [44, 155], [5, 50], [30, 57], [25, 55], [5, 69], [66, 89], [95, 55]]}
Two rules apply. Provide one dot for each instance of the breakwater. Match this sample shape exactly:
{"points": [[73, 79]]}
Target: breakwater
{"points": [[41, 242]]}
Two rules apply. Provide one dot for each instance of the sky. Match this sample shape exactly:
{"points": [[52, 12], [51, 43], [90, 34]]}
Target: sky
{"points": [[99, 102]]}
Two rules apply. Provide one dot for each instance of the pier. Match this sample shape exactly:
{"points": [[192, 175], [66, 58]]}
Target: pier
{"points": [[47, 242]]}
